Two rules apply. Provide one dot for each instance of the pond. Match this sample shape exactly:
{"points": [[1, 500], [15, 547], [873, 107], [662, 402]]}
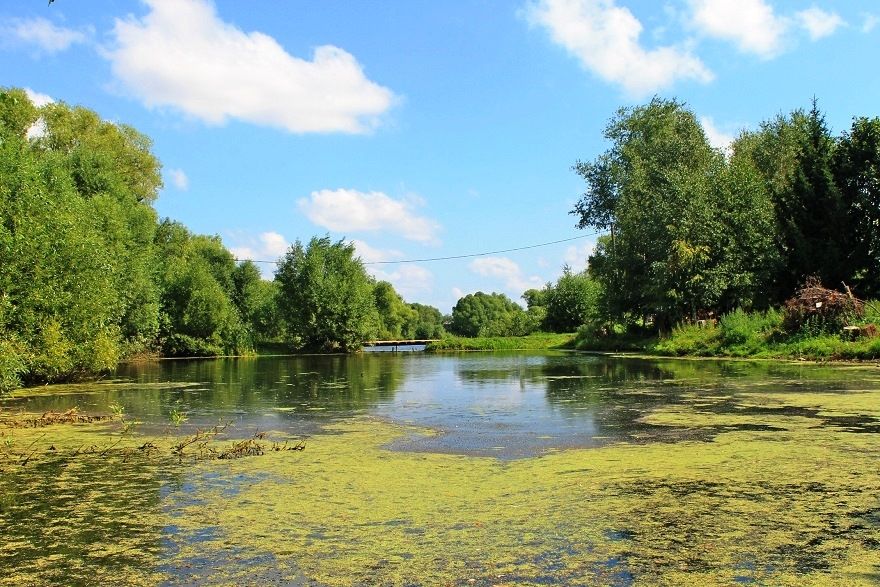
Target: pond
{"points": [[531, 468]]}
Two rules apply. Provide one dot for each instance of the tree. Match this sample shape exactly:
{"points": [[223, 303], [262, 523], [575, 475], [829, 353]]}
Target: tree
{"points": [[575, 300], [199, 315], [396, 319], [494, 314], [654, 189], [811, 215], [76, 251], [429, 322], [325, 296], [857, 174], [255, 300]]}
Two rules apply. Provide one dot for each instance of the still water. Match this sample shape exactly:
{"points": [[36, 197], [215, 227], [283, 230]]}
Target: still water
{"points": [[513, 427]]}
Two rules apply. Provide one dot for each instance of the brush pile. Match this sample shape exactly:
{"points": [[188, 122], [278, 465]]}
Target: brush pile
{"points": [[818, 309]]}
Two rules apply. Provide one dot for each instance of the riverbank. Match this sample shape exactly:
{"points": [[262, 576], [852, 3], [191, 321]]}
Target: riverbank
{"points": [[721, 342], [742, 339], [532, 342]]}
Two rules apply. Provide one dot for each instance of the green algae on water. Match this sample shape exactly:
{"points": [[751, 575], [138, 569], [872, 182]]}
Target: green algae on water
{"points": [[773, 487]]}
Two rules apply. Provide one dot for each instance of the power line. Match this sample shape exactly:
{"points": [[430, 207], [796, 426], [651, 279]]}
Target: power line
{"points": [[465, 256]]}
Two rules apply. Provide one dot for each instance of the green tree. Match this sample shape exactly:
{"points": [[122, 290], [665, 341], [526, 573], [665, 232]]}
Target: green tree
{"points": [[482, 314], [396, 319], [574, 300], [256, 302], [74, 244], [199, 315], [325, 296], [428, 324], [857, 174], [655, 189], [812, 220]]}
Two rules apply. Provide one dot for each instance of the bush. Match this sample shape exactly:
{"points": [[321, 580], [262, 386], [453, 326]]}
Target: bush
{"points": [[691, 339], [750, 330]]}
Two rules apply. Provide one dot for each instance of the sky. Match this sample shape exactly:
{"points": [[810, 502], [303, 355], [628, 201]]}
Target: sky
{"points": [[419, 129]]}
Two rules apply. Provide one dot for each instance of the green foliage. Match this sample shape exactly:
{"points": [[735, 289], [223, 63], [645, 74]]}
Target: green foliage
{"points": [[199, 313], [575, 299], [692, 229], [656, 189], [749, 331], [325, 296], [535, 341], [397, 320], [857, 172], [429, 322], [690, 339], [494, 314]]}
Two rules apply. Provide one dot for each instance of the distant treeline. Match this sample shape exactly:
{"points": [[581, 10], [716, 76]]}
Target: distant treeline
{"points": [[89, 275]]}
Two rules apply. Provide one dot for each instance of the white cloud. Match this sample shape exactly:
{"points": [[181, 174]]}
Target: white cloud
{"points": [[716, 137], [182, 55], [345, 210], [751, 24], [41, 33], [178, 179], [369, 254], [819, 23], [267, 246], [507, 271], [39, 100], [410, 281], [870, 23], [605, 39], [37, 129], [576, 256]]}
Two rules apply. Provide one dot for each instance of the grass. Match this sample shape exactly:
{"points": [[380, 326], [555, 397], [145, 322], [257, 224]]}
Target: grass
{"points": [[742, 334], [536, 341]]}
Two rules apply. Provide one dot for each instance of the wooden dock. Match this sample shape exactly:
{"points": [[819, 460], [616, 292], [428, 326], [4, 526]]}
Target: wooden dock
{"points": [[399, 343]]}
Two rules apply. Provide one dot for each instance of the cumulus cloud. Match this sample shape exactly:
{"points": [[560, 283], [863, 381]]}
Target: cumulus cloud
{"points": [[267, 246], [182, 55], [576, 256], [604, 37], [507, 271], [39, 100], [819, 23], [345, 210], [43, 34], [752, 25], [370, 254], [178, 179], [410, 281], [870, 22], [716, 137]]}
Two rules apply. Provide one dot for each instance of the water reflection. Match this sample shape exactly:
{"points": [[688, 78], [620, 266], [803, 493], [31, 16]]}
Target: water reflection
{"points": [[507, 405]]}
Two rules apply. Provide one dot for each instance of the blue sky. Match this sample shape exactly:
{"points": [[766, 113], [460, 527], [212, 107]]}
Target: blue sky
{"points": [[418, 128]]}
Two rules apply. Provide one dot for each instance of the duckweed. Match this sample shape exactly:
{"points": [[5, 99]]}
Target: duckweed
{"points": [[768, 487]]}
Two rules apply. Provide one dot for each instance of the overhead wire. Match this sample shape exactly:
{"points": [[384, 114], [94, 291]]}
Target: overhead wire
{"points": [[464, 256]]}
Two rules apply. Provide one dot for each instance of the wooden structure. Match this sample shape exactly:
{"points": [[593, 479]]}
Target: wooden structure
{"points": [[399, 343]]}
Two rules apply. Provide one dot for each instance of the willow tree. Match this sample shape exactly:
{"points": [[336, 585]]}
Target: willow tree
{"points": [[325, 296]]}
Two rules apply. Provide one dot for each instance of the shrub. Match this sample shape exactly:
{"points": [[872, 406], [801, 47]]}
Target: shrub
{"points": [[749, 329]]}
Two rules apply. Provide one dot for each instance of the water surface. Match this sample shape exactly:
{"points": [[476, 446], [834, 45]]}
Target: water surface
{"points": [[475, 468]]}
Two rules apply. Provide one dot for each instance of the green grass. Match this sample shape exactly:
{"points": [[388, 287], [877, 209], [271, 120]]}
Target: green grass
{"points": [[740, 334], [537, 341]]}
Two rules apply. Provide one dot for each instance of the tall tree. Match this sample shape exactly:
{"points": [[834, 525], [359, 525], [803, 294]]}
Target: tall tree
{"points": [[325, 296], [654, 186], [857, 172]]}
